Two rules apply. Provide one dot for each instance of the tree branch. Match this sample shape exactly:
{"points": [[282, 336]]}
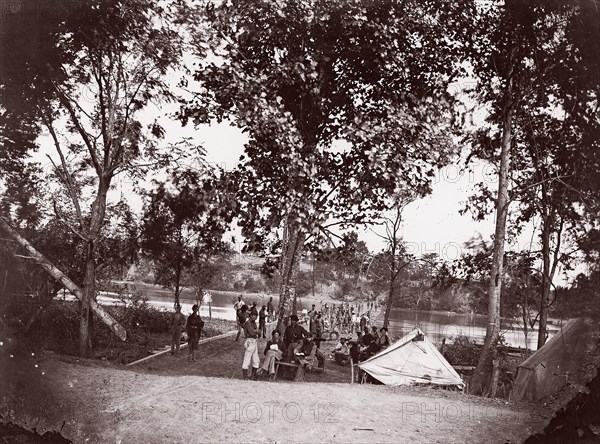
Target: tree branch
{"points": [[66, 177], [62, 219], [66, 102]]}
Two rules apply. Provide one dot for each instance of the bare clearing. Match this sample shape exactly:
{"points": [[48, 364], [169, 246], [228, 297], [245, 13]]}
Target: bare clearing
{"points": [[89, 401]]}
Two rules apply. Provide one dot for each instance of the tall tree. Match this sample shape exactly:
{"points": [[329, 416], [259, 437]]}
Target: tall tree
{"points": [[343, 103], [526, 47], [398, 260], [498, 66], [184, 222], [98, 67]]}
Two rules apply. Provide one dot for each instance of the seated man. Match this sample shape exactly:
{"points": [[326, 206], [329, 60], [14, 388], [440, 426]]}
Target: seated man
{"points": [[293, 335], [341, 352], [374, 333], [371, 350], [354, 345], [273, 352], [384, 339], [367, 337], [304, 354], [367, 347]]}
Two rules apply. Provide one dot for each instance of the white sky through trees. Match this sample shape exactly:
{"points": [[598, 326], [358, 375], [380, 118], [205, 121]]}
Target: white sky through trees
{"points": [[431, 225]]}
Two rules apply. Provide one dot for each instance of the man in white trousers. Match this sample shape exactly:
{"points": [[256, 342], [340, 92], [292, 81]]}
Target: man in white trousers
{"points": [[251, 347]]}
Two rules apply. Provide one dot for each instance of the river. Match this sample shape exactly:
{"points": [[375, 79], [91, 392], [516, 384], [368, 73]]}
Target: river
{"points": [[439, 325], [436, 325]]}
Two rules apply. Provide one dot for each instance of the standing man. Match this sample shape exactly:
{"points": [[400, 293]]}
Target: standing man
{"points": [[193, 327], [270, 309], [176, 325], [241, 318], [251, 353], [262, 325], [363, 321], [238, 311], [319, 329], [253, 309], [354, 321], [312, 314], [239, 304], [207, 299]]}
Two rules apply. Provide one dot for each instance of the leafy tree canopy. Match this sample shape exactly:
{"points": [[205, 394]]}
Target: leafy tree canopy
{"points": [[343, 102], [184, 222]]}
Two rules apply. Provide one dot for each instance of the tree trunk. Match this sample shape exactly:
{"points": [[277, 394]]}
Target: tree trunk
{"points": [[546, 282], [314, 282], [495, 378], [524, 314], [482, 374], [89, 289], [53, 271], [177, 285], [97, 215], [548, 271], [390, 302], [291, 253]]}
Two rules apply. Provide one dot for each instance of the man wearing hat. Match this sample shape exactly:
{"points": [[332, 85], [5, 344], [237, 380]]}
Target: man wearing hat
{"points": [[176, 323], [193, 328], [240, 315], [250, 347], [341, 352], [384, 339], [294, 333]]}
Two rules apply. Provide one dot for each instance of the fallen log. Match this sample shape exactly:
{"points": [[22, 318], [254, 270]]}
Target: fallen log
{"points": [[55, 272]]}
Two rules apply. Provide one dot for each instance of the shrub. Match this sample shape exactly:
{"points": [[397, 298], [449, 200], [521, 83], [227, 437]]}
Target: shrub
{"points": [[253, 285], [57, 329], [345, 288], [462, 351]]}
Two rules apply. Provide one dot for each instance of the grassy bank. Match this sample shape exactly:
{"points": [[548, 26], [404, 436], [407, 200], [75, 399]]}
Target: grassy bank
{"points": [[57, 329]]}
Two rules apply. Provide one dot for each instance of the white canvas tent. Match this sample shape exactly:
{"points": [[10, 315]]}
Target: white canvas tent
{"points": [[412, 359]]}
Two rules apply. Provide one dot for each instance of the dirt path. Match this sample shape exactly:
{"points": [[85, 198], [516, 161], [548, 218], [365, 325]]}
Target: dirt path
{"points": [[91, 402]]}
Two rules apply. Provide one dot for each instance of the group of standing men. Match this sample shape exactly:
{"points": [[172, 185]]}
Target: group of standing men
{"points": [[243, 312], [246, 321], [297, 344]]}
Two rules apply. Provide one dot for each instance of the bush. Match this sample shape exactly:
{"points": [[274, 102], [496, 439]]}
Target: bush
{"points": [[462, 351], [253, 285], [59, 323], [57, 328], [141, 316], [346, 287], [304, 284]]}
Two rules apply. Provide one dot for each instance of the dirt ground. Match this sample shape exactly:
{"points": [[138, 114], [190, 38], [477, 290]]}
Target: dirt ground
{"points": [[171, 400]]}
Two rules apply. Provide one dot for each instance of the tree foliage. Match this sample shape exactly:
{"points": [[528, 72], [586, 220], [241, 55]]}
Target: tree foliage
{"points": [[554, 105], [84, 78], [343, 103], [302, 76], [184, 222]]}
